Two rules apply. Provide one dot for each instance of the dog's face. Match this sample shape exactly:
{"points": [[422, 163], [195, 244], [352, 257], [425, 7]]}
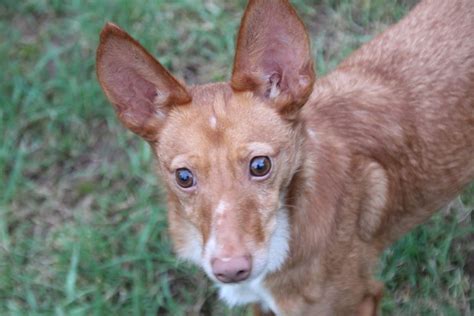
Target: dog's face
{"points": [[226, 152], [227, 159]]}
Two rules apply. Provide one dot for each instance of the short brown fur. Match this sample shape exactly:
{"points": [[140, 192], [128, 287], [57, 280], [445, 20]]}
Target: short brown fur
{"points": [[380, 144]]}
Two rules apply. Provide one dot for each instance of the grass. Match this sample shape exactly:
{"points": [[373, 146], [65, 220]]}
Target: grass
{"points": [[82, 219]]}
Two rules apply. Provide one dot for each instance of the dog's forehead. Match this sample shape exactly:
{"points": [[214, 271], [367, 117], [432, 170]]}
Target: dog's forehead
{"points": [[220, 120]]}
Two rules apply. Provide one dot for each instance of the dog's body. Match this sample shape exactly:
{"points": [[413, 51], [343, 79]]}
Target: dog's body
{"points": [[381, 143], [390, 141]]}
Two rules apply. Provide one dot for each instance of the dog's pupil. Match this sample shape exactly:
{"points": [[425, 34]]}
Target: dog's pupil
{"points": [[184, 177], [259, 166]]}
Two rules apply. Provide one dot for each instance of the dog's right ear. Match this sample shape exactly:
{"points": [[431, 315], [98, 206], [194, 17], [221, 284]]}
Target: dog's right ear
{"points": [[140, 88], [273, 56]]}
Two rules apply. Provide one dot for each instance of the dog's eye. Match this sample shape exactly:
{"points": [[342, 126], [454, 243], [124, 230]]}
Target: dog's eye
{"points": [[260, 166], [184, 178]]}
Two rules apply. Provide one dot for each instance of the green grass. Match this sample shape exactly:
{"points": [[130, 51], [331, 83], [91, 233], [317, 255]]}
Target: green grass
{"points": [[82, 219]]}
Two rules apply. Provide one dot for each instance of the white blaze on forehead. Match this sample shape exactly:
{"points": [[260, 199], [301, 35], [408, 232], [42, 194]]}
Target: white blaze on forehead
{"points": [[213, 122], [220, 209]]}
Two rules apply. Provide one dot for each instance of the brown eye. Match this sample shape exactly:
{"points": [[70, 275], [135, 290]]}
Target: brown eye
{"points": [[184, 178], [260, 166]]}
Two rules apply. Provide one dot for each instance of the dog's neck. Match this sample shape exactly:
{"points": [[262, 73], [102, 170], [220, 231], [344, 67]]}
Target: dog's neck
{"points": [[324, 191]]}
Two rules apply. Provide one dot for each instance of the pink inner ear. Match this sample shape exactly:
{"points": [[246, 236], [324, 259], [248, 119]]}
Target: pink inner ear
{"points": [[133, 94], [273, 57], [134, 97], [140, 88]]}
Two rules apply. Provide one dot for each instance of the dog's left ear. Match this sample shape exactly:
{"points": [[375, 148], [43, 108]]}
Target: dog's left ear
{"points": [[141, 90], [273, 57]]}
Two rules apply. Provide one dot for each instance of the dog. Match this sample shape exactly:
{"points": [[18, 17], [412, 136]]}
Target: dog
{"points": [[286, 189]]}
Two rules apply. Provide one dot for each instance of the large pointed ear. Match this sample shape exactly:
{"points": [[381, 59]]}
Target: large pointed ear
{"points": [[140, 88], [273, 57]]}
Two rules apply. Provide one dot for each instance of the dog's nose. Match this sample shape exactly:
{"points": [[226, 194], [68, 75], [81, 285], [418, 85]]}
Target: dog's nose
{"points": [[230, 270]]}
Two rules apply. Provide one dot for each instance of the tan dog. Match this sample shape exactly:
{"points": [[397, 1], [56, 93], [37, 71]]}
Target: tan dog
{"points": [[288, 206]]}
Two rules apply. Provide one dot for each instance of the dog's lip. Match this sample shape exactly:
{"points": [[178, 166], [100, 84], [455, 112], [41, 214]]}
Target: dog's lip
{"points": [[246, 281], [232, 282]]}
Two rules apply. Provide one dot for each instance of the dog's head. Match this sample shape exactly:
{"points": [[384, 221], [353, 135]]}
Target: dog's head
{"points": [[226, 152]]}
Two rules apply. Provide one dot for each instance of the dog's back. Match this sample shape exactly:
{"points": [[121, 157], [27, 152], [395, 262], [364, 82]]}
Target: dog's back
{"points": [[406, 101]]}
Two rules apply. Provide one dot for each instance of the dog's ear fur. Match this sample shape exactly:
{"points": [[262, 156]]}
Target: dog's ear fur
{"points": [[140, 88], [273, 56]]}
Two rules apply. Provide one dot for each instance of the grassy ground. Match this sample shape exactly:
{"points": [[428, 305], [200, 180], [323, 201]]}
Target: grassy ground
{"points": [[82, 220]]}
